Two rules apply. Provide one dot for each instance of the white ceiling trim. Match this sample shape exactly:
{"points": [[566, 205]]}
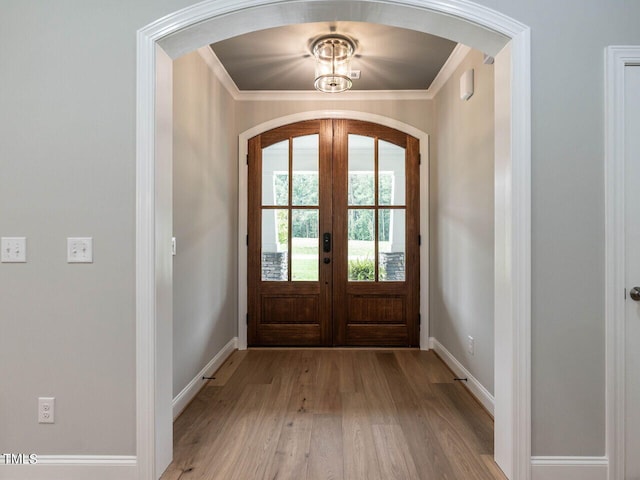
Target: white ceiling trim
{"points": [[304, 95], [215, 65], [453, 62]]}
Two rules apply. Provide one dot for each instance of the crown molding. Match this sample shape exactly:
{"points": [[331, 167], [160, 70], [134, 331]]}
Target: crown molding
{"points": [[458, 54], [350, 95], [215, 65]]}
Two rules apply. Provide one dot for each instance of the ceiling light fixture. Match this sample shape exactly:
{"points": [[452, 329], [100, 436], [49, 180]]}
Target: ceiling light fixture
{"points": [[333, 63]]}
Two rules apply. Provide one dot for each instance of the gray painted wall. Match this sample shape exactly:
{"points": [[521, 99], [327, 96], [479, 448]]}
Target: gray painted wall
{"points": [[67, 168], [205, 218], [461, 220], [67, 163], [568, 334]]}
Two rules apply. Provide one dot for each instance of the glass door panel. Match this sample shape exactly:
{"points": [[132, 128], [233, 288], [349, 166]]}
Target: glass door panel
{"points": [[391, 176], [361, 170], [275, 245], [305, 189], [361, 245], [305, 249], [275, 174], [391, 244]]}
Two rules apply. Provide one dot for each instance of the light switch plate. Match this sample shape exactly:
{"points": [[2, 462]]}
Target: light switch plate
{"points": [[80, 250], [14, 249]]}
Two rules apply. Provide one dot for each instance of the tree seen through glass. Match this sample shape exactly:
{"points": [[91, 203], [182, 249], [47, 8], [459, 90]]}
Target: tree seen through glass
{"points": [[361, 229]]}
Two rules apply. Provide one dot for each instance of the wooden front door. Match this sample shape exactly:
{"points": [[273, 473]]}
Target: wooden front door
{"points": [[333, 235]]}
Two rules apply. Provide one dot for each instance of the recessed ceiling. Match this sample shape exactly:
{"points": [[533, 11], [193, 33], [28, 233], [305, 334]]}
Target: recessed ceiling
{"points": [[388, 58]]}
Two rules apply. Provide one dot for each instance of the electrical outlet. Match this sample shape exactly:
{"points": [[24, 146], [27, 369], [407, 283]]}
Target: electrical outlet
{"points": [[14, 250], [79, 250], [471, 345], [46, 409]]}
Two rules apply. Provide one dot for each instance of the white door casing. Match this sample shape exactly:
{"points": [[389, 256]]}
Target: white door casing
{"points": [[212, 20], [632, 273], [622, 262]]}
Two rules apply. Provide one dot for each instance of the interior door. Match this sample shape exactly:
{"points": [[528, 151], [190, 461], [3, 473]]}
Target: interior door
{"points": [[333, 238], [632, 262]]}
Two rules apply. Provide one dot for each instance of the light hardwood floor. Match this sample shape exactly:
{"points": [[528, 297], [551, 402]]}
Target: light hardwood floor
{"points": [[333, 414]]}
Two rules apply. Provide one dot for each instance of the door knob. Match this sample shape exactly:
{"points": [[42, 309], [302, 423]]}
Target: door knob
{"points": [[635, 294], [328, 260]]}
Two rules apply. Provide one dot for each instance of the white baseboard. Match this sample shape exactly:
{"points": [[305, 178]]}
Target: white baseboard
{"points": [[569, 468], [73, 467], [194, 386], [478, 390]]}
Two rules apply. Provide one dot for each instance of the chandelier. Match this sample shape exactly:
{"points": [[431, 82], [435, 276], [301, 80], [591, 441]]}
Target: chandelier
{"points": [[333, 55]]}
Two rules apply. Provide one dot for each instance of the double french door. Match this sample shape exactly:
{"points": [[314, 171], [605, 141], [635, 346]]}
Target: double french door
{"points": [[333, 235]]}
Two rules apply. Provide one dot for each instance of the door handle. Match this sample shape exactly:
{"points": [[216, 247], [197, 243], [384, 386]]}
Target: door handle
{"points": [[634, 293], [326, 242]]}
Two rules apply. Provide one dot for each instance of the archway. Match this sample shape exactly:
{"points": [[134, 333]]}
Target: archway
{"points": [[213, 20]]}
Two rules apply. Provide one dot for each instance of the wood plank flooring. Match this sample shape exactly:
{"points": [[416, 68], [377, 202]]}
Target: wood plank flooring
{"points": [[335, 414]]}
